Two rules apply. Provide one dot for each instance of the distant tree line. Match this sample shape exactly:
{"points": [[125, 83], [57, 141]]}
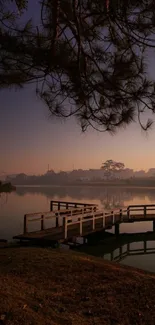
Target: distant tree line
{"points": [[110, 171]]}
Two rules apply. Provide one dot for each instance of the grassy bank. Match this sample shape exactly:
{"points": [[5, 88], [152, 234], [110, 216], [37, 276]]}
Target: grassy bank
{"points": [[41, 286]]}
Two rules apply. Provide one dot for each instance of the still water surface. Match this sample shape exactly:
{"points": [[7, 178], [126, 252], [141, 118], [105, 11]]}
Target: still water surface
{"points": [[36, 199]]}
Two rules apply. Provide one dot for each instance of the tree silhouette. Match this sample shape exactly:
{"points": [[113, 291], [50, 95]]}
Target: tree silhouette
{"points": [[111, 167], [87, 58]]}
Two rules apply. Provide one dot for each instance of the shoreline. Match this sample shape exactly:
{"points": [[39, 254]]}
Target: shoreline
{"points": [[59, 287], [89, 186]]}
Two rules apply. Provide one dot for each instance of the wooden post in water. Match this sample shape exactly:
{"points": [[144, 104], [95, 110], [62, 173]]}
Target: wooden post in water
{"points": [[154, 225], [145, 246], [144, 210], [51, 205], [112, 256], [25, 224], [42, 222], [84, 240], [117, 229], [57, 219], [120, 250], [128, 247]]}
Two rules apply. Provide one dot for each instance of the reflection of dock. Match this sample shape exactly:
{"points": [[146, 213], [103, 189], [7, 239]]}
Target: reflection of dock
{"points": [[123, 246], [73, 219]]}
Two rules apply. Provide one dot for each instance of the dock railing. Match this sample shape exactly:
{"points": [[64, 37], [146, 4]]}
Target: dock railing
{"points": [[143, 209], [105, 219], [82, 213], [56, 215], [67, 205]]}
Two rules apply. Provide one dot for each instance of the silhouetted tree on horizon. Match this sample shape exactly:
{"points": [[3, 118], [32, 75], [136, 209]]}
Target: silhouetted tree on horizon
{"points": [[87, 58], [111, 167]]}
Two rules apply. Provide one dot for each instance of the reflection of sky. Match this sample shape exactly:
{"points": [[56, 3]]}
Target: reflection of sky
{"points": [[145, 262], [30, 140]]}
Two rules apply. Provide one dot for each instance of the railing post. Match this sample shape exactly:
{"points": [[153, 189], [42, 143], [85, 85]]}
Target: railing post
{"points": [[57, 219], [65, 227], [93, 222], [113, 216], [66, 206], [75, 205], [128, 212], [120, 214], [117, 229], [103, 220], [51, 205], [25, 224], [80, 219], [59, 205], [42, 222]]}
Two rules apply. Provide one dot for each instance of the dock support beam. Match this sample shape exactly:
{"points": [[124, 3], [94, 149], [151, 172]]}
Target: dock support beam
{"points": [[57, 219], [117, 229]]}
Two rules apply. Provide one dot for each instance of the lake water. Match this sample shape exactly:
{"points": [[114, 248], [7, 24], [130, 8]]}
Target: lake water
{"points": [[25, 200]]}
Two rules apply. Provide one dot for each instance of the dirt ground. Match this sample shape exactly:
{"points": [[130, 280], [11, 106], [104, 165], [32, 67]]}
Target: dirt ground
{"points": [[52, 286]]}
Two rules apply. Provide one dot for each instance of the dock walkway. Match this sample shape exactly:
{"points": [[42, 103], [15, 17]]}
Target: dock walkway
{"points": [[74, 219]]}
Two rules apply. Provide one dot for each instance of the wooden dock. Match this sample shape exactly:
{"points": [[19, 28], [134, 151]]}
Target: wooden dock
{"points": [[73, 219]]}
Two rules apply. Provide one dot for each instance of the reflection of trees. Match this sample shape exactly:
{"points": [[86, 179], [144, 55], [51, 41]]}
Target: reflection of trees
{"points": [[115, 198], [149, 194], [109, 197], [3, 199]]}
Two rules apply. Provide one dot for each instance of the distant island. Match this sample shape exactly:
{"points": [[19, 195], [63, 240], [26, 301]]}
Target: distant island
{"points": [[6, 187]]}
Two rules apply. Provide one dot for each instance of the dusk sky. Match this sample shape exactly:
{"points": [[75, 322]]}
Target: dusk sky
{"points": [[30, 139]]}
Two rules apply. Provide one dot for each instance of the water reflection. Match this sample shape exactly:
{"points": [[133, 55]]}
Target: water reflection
{"points": [[3, 198], [136, 250], [112, 196]]}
